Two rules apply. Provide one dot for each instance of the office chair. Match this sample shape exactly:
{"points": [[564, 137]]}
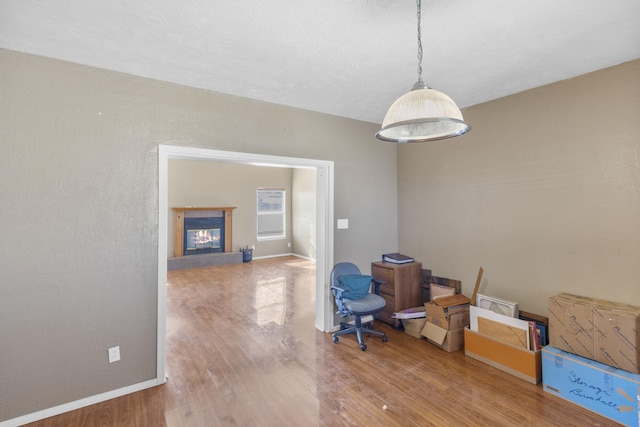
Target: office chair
{"points": [[351, 291]]}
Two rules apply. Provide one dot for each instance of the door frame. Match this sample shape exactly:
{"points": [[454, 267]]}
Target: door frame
{"points": [[324, 227]]}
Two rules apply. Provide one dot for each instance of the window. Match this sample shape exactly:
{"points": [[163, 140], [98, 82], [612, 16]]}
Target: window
{"points": [[271, 214]]}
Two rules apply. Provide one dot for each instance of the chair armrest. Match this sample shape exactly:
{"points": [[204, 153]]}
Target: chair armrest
{"points": [[376, 285], [338, 288], [337, 293]]}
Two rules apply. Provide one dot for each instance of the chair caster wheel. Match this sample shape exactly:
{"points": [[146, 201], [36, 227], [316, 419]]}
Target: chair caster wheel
{"points": [[384, 338], [363, 347], [335, 340]]}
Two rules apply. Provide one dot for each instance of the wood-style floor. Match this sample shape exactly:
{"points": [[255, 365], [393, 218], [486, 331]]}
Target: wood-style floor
{"points": [[242, 350]]}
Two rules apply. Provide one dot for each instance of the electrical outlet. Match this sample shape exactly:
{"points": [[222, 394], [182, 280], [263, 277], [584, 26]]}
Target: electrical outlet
{"points": [[289, 244], [114, 354], [253, 247]]}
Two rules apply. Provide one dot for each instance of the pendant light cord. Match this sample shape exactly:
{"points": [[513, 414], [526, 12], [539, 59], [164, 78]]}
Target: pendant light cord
{"points": [[422, 114], [419, 3]]}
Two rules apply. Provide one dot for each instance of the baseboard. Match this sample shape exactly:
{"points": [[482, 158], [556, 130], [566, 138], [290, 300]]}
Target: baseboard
{"points": [[77, 404], [272, 256], [304, 257]]}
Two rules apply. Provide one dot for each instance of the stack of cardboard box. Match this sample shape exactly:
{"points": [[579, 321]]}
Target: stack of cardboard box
{"points": [[604, 331], [593, 358], [447, 316]]}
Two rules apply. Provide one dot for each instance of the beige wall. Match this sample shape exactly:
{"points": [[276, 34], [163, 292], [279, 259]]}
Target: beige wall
{"points": [[544, 193], [210, 183], [79, 212], [303, 211]]}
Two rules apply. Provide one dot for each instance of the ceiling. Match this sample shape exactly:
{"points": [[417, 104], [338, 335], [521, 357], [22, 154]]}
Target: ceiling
{"points": [[349, 58]]}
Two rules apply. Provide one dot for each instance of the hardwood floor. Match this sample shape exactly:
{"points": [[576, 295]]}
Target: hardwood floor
{"points": [[242, 350]]}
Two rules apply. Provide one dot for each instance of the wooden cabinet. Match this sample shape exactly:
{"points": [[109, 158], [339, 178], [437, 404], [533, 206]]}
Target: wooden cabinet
{"points": [[402, 288]]}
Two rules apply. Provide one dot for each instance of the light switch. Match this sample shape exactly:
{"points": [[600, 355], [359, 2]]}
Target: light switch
{"points": [[114, 354], [343, 223]]}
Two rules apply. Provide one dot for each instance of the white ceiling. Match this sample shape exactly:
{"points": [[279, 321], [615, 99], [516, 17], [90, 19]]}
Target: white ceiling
{"points": [[349, 58]]}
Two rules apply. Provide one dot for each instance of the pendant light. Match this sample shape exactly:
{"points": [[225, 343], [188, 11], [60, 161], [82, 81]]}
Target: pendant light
{"points": [[423, 114]]}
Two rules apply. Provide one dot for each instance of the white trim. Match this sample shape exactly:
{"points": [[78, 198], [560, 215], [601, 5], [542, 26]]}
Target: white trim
{"points": [[324, 245], [308, 258], [163, 235], [77, 404], [270, 238], [282, 214], [281, 255], [273, 256], [287, 254]]}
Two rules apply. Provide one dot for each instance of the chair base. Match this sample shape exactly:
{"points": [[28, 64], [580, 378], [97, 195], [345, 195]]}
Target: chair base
{"points": [[358, 329]]}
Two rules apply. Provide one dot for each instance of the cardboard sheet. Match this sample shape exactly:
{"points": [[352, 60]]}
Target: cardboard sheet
{"points": [[434, 333], [476, 312], [503, 332], [437, 291], [448, 340]]}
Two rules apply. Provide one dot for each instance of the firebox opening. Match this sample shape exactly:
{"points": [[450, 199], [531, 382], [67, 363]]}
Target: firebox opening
{"points": [[203, 235], [203, 239]]}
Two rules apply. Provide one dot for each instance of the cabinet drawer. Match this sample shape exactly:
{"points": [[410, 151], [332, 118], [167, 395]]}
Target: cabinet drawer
{"points": [[384, 275], [390, 300], [386, 316]]}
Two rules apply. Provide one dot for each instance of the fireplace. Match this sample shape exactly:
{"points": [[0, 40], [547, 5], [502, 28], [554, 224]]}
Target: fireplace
{"points": [[203, 235], [201, 230]]}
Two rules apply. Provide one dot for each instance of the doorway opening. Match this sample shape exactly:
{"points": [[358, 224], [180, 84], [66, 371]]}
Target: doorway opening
{"points": [[324, 226]]}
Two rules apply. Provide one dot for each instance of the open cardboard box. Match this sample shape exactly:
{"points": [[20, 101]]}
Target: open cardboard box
{"points": [[515, 360], [447, 317], [448, 312], [448, 340]]}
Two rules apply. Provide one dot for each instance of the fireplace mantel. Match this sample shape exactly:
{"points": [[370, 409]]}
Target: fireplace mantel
{"points": [[178, 225]]}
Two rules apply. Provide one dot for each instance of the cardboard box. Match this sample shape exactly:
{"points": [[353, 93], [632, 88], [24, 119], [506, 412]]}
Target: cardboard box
{"points": [[448, 340], [455, 320], [448, 312], [518, 361], [610, 392], [597, 329]]}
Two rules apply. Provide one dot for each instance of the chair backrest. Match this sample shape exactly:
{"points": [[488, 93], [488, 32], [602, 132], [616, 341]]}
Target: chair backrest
{"points": [[342, 269]]}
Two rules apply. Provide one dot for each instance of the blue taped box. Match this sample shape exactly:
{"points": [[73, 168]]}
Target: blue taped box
{"points": [[610, 392]]}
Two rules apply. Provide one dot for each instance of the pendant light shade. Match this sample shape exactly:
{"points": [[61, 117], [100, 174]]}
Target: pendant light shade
{"points": [[423, 114]]}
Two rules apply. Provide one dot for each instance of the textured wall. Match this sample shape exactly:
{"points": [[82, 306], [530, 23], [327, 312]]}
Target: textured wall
{"points": [[79, 212], [544, 193]]}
